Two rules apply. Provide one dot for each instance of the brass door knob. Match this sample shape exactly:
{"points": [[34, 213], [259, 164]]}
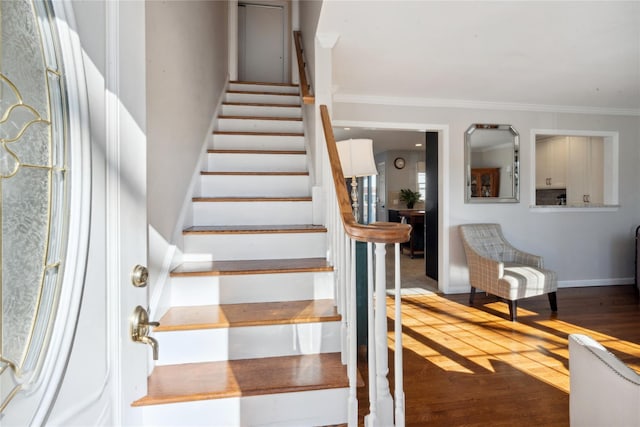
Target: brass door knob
{"points": [[139, 329]]}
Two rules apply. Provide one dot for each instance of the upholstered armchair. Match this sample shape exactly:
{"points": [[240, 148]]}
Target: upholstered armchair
{"points": [[603, 390], [498, 268]]}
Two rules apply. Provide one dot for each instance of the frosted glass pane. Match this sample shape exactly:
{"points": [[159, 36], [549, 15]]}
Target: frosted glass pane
{"points": [[25, 227], [22, 55]]}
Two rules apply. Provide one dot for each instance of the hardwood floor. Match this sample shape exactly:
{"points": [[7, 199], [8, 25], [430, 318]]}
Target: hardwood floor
{"points": [[471, 366]]}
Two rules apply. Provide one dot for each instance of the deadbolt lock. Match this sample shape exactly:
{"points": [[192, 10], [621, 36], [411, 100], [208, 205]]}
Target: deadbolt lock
{"points": [[139, 276]]}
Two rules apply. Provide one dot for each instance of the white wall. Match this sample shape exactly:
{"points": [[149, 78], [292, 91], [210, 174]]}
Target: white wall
{"points": [[397, 179], [187, 68], [186, 75], [585, 248], [309, 13]]}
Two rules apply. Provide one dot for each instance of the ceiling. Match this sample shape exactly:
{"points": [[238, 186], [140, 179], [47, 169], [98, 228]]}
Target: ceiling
{"points": [[384, 140], [563, 55]]}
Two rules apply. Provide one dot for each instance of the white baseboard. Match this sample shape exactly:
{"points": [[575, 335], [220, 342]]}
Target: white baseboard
{"points": [[595, 282], [565, 284]]}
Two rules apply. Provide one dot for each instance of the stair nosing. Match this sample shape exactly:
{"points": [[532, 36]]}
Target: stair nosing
{"points": [[271, 266], [255, 229], [223, 322], [260, 152], [252, 92], [240, 82], [260, 104], [250, 199], [264, 118], [279, 134], [245, 173]]}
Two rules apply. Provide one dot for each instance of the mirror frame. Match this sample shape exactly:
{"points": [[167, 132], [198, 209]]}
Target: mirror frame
{"points": [[515, 165]]}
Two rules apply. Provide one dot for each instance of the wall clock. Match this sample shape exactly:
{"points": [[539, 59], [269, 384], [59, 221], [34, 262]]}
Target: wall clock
{"points": [[399, 163]]}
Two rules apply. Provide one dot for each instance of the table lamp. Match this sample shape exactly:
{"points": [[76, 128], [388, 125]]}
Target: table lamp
{"points": [[356, 159]]}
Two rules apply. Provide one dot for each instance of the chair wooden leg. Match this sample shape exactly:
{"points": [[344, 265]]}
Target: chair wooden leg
{"points": [[513, 309], [471, 295], [553, 301]]}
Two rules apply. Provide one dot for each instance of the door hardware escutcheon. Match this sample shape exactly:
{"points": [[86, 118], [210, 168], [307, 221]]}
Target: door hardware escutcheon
{"points": [[139, 329], [139, 276]]}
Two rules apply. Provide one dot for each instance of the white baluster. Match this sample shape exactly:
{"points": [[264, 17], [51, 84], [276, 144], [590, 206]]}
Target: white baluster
{"points": [[384, 401], [398, 372], [370, 420], [343, 274], [353, 342]]}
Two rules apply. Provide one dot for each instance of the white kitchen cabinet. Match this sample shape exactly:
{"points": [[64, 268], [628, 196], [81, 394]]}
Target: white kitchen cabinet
{"points": [[551, 163], [585, 170]]}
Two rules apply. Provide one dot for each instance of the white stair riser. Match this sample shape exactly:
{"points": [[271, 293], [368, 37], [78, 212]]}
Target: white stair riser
{"points": [[248, 342], [258, 98], [252, 213], [255, 186], [240, 162], [206, 290], [258, 142], [257, 246], [261, 111], [307, 408], [255, 125], [294, 90]]}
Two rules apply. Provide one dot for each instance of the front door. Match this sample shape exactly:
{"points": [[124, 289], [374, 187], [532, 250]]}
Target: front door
{"points": [[126, 197], [80, 368]]}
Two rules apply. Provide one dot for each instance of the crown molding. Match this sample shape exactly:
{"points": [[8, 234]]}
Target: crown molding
{"points": [[352, 98]]}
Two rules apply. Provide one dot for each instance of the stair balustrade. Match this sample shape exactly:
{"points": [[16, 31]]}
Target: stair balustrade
{"points": [[344, 232]]}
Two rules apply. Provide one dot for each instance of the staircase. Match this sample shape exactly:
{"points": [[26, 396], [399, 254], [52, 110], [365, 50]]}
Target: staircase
{"points": [[252, 336]]}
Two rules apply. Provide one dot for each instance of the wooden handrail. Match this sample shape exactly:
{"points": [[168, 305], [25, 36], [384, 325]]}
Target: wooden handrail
{"points": [[307, 97], [378, 232]]}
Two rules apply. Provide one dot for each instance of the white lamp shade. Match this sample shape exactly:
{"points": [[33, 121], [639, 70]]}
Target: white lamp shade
{"points": [[356, 157]]}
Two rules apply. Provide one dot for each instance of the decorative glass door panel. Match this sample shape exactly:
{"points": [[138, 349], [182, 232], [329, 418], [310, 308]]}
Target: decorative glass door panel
{"points": [[35, 199]]}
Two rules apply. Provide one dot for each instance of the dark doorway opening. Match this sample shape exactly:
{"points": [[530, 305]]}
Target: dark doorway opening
{"points": [[431, 205]]}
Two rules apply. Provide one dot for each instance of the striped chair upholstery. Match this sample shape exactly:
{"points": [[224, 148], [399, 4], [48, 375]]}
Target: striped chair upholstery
{"points": [[498, 268]]}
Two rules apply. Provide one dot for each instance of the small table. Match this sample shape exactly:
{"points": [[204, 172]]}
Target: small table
{"points": [[415, 218]]}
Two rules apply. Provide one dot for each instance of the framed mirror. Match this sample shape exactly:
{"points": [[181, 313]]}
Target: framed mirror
{"points": [[492, 164]]}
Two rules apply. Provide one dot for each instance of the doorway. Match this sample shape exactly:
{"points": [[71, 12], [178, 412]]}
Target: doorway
{"points": [[262, 52], [418, 170]]}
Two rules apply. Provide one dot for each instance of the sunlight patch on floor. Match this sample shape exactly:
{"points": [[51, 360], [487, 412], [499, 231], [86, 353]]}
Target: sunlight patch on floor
{"points": [[462, 339]]}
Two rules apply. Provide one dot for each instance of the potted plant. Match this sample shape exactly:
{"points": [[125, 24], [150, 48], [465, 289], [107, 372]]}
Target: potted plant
{"points": [[409, 197]]}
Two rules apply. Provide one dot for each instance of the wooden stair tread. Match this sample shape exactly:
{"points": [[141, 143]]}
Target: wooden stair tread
{"points": [[278, 152], [287, 119], [251, 199], [258, 92], [260, 266], [249, 377], [224, 132], [240, 82], [252, 314], [255, 173], [254, 229], [261, 104]]}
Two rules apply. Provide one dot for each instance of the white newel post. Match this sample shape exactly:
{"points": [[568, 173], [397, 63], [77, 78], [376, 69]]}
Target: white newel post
{"points": [[384, 401]]}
